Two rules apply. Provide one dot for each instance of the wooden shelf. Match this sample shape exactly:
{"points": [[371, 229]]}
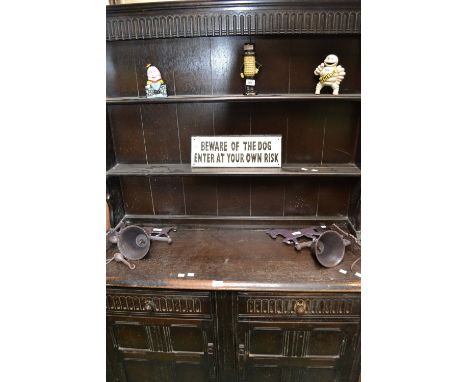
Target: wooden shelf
{"points": [[297, 169], [232, 98], [244, 259], [243, 222]]}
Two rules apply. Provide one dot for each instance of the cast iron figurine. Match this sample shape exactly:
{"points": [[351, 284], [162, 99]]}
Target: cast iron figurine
{"points": [[331, 74], [291, 237], [155, 86], [249, 69], [328, 245]]}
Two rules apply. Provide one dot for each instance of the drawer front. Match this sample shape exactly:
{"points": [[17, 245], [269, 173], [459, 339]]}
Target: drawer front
{"points": [[297, 305], [159, 303]]}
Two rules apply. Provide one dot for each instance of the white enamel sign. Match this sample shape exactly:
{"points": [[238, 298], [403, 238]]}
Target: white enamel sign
{"points": [[237, 151]]}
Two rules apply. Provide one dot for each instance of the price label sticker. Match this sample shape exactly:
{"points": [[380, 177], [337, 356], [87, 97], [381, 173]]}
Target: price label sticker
{"points": [[217, 283], [250, 82], [297, 233], [190, 274], [181, 275], [343, 271]]}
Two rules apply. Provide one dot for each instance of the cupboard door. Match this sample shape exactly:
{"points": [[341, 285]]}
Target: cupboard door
{"points": [[296, 351], [151, 349]]}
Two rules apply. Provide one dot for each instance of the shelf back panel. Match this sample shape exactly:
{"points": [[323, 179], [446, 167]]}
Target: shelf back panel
{"points": [[312, 132], [236, 196], [211, 65]]}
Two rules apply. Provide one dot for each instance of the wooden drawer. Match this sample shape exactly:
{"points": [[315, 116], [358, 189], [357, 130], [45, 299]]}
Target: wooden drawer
{"points": [[158, 303], [297, 305]]}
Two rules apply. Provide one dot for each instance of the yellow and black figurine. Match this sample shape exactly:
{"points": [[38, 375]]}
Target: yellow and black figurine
{"points": [[249, 69]]}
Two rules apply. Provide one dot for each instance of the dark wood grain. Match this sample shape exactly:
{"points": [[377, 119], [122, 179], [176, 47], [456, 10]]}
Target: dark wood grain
{"points": [[200, 195], [168, 195], [236, 319], [236, 222], [237, 196], [267, 196], [300, 199], [233, 197], [235, 98], [305, 133], [341, 128], [110, 152], [167, 20], [136, 193], [334, 196], [289, 169], [243, 259], [120, 70], [127, 132], [115, 200], [354, 211], [231, 118], [270, 119], [161, 137], [193, 119], [273, 54], [192, 66], [226, 61]]}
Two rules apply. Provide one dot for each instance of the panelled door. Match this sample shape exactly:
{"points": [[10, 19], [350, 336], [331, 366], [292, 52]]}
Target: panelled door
{"points": [[296, 351], [162, 349]]}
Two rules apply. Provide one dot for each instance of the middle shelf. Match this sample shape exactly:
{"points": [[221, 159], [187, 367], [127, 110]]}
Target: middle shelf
{"points": [[288, 169], [233, 98]]}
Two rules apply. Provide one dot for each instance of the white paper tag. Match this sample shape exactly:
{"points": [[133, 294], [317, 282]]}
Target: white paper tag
{"points": [[323, 226], [157, 229], [190, 274], [217, 283], [250, 82], [181, 275], [314, 170], [303, 169], [342, 271], [297, 233], [358, 274]]}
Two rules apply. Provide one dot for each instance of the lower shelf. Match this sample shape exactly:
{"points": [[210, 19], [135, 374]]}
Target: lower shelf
{"points": [[233, 258]]}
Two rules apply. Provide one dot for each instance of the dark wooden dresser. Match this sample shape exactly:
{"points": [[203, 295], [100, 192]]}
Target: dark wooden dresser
{"points": [[254, 309]]}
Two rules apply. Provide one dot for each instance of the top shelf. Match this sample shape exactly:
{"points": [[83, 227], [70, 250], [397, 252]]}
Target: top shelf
{"points": [[232, 98]]}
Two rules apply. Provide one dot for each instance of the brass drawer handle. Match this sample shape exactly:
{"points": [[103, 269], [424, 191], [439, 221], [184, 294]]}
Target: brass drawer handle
{"points": [[149, 306], [299, 307]]}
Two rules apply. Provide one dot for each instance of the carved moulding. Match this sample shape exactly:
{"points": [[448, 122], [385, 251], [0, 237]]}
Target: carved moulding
{"points": [[132, 26]]}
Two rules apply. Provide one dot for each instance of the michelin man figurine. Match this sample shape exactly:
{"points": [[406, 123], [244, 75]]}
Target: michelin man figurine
{"points": [[331, 74], [155, 86]]}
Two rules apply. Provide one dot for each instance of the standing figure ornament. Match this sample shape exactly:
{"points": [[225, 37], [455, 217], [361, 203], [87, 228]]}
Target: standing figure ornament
{"points": [[249, 69], [331, 74], [155, 85]]}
